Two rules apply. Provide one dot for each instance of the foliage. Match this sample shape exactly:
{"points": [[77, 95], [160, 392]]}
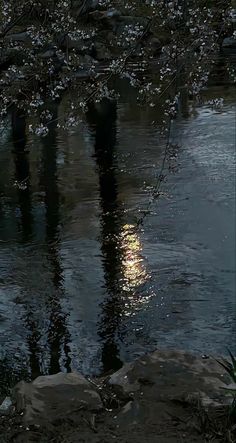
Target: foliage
{"points": [[230, 368], [49, 47]]}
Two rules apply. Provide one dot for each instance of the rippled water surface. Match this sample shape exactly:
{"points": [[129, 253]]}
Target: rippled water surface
{"points": [[82, 284]]}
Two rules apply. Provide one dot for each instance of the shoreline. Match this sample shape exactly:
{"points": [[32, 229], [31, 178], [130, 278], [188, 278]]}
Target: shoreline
{"points": [[165, 396]]}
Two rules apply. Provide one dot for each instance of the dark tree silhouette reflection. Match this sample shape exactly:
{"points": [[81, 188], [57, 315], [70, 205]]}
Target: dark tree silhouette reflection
{"points": [[22, 174], [103, 124], [124, 272], [22, 181], [58, 336]]}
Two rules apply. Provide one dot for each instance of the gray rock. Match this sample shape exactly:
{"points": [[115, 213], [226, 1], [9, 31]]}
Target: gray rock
{"points": [[173, 375], [122, 381], [106, 15], [229, 43], [52, 397], [47, 54], [233, 15], [82, 74], [6, 406], [80, 45], [19, 37]]}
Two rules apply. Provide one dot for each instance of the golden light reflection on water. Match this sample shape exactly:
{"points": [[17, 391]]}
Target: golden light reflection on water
{"points": [[134, 273]]}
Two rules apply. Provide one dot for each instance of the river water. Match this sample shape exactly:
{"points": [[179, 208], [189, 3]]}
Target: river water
{"points": [[82, 284]]}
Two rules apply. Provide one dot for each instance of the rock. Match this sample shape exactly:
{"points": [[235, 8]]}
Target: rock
{"points": [[108, 20], [105, 15], [83, 74], [19, 37], [52, 397], [233, 14], [80, 45], [122, 382], [159, 401], [169, 388], [47, 54], [6, 406], [111, 13], [129, 414], [229, 43], [173, 376]]}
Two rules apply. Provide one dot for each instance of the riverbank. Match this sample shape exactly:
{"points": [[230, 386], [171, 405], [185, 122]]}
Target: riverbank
{"points": [[166, 397]]}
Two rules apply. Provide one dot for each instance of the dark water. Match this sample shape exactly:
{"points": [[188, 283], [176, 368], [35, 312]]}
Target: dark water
{"points": [[81, 284]]}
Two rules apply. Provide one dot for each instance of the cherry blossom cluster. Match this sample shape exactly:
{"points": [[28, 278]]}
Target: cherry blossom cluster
{"points": [[52, 49]]}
